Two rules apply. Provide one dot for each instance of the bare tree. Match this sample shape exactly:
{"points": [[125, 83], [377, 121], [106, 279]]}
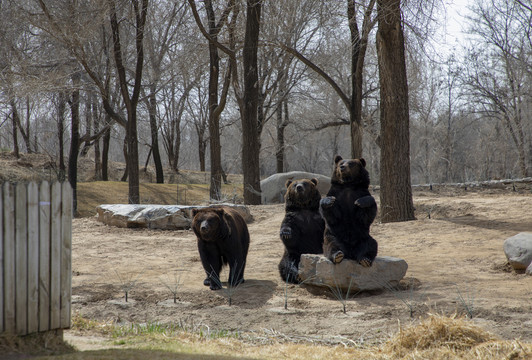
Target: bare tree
{"points": [[501, 90], [395, 184], [359, 42], [130, 101]]}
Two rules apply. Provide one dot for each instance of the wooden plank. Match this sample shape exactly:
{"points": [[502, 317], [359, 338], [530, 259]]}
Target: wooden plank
{"points": [[21, 258], [55, 256], [33, 257], [44, 256], [9, 258], [2, 290], [66, 254]]}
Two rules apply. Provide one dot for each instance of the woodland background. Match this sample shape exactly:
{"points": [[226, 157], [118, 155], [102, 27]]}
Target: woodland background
{"points": [[72, 72]]}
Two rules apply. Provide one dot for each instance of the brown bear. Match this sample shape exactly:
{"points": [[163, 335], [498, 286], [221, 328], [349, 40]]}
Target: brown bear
{"points": [[348, 211], [302, 227], [223, 238]]}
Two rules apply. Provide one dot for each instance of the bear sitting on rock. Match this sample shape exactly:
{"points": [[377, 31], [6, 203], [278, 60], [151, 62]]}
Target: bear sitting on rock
{"points": [[348, 211], [302, 227], [223, 238]]}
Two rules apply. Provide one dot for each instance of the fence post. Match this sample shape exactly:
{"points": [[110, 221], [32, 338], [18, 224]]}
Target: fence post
{"points": [[44, 256]]}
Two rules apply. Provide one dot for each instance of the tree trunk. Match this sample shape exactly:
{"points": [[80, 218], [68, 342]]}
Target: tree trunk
{"points": [[202, 146], [14, 119], [97, 152], [74, 142], [61, 133], [126, 160], [105, 152], [281, 126], [159, 174], [215, 189], [395, 190], [89, 119], [250, 140], [130, 102], [26, 135]]}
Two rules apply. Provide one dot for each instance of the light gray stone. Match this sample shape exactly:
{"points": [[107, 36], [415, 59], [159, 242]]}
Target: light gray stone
{"points": [[518, 250], [385, 272], [165, 217], [529, 270], [273, 188]]}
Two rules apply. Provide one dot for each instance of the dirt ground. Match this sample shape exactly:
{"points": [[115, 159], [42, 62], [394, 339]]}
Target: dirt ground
{"points": [[456, 255]]}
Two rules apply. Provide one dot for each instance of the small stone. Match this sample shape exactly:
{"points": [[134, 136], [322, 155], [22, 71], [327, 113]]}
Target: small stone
{"points": [[518, 250], [386, 272]]}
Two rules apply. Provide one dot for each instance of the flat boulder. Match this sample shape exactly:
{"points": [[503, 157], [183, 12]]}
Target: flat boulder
{"points": [[273, 187], [165, 217], [518, 250], [386, 272]]}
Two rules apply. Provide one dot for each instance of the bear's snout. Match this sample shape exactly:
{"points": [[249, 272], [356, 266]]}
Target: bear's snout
{"points": [[300, 187], [204, 226]]}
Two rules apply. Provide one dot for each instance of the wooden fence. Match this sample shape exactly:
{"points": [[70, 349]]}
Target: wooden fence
{"points": [[35, 257]]}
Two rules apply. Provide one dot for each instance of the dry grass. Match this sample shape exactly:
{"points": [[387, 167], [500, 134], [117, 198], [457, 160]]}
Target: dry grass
{"points": [[436, 338]]}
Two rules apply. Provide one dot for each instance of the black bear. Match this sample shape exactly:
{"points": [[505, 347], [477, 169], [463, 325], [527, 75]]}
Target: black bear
{"points": [[302, 227], [348, 211], [223, 238]]}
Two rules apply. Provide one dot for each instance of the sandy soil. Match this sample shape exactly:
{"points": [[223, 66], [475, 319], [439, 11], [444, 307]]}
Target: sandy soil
{"points": [[456, 252]]}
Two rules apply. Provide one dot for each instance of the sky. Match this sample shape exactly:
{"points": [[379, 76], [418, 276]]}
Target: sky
{"points": [[454, 35]]}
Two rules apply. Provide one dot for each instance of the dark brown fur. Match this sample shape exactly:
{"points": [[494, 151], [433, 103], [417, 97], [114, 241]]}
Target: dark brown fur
{"points": [[223, 238], [349, 210], [302, 227]]}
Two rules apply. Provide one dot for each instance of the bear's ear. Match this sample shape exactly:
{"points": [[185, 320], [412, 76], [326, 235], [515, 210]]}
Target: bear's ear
{"points": [[194, 212], [363, 162], [218, 211], [314, 181], [337, 159], [288, 182]]}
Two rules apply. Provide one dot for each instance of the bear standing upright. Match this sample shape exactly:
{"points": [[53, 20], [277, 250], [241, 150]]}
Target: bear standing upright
{"points": [[223, 238], [302, 227], [348, 211]]}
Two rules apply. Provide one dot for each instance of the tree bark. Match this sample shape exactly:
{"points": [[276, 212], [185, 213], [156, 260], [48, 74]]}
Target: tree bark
{"points": [[130, 102], [250, 140], [395, 184], [61, 133], [282, 123], [159, 173], [14, 119], [215, 189], [74, 141], [105, 152], [97, 151]]}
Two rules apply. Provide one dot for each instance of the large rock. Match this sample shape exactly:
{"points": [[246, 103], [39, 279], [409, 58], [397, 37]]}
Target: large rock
{"points": [[273, 188], [385, 273], [518, 250], [166, 217]]}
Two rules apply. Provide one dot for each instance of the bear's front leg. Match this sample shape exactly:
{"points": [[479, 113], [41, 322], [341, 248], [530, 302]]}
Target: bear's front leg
{"points": [[327, 202], [286, 233], [365, 201]]}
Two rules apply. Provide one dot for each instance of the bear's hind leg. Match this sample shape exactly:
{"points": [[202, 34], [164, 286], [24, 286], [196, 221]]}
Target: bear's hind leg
{"points": [[236, 272], [332, 249], [212, 264]]}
